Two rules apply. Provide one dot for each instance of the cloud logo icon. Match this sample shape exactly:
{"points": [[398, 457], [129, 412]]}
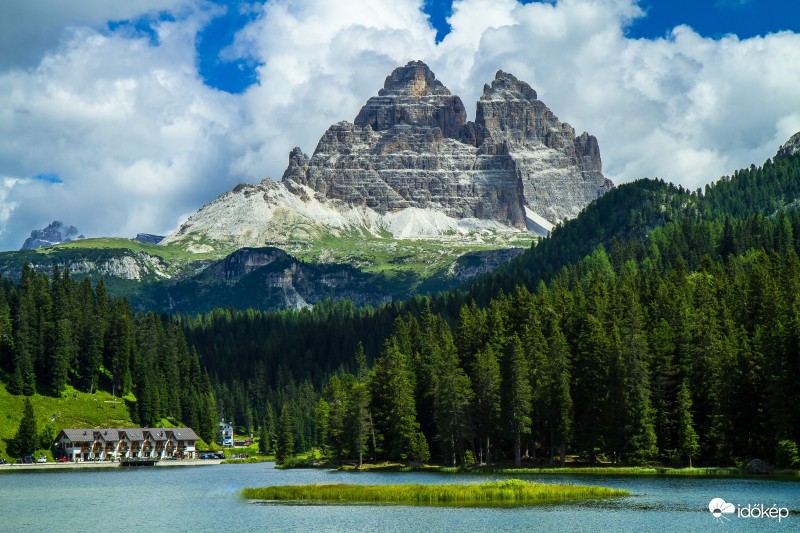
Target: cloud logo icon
{"points": [[719, 507]]}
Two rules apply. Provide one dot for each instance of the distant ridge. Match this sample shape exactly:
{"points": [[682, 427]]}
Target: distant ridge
{"points": [[54, 233]]}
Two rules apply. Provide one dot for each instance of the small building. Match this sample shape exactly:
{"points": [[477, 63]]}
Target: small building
{"points": [[226, 434], [126, 443]]}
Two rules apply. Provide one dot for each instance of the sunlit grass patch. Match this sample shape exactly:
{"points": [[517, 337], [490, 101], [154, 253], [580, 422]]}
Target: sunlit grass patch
{"points": [[511, 492]]}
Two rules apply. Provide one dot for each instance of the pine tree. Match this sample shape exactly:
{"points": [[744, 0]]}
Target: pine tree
{"points": [[6, 333], [25, 340], [322, 414], [591, 375], [486, 382], [687, 436], [558, 399], [357, 422], [26, 440], [61, 356], [332, 417], [263, 439], [636, 414], [284, 448], [519, 396], [392, 390], [470, 335]]}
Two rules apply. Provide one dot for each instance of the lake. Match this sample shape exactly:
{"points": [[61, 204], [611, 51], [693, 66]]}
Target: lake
{"points": [[207, 499]]}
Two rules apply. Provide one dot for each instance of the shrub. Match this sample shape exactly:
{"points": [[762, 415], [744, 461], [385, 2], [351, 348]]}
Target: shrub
{"points": [[786, 455]]}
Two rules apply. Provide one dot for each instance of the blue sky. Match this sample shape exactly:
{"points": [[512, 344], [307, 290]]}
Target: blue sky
{"points": [[710, 18], [125, 117]]}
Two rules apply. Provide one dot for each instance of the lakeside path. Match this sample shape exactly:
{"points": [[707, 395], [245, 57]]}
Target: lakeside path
{"points": [[14, 467]]}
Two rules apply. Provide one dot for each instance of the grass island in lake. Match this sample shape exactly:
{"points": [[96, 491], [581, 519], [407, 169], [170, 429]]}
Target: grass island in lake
{"points": [[512, 492]]}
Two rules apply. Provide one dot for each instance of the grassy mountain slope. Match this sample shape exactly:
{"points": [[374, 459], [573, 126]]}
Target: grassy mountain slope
{"points": [[171, 278], [72, 409]]}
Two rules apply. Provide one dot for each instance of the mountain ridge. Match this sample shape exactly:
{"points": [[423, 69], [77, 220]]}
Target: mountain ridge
{"points": [[516, 169]]}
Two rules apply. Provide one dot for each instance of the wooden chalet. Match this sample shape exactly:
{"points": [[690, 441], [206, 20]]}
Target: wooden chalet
{"points": [[115, 444]]}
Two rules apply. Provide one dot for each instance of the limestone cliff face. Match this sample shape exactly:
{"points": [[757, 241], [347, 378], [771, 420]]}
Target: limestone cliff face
{"points": [[411, 146], [411, 166], [559, 173]]}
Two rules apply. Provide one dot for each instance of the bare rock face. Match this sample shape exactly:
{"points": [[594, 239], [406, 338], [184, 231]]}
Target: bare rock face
{"points": [[790, 147], [559, 173], [54, 233], [413, 96], [412, 147]]}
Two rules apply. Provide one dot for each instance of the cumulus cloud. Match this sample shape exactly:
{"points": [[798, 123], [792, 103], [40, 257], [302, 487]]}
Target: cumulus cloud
{"points": [[138, 141], [29, 28], [684, 107], [128, 127], [320, 61]]}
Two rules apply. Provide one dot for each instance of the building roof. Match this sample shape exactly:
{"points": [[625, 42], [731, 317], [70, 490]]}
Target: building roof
{"points": [[133, 434], [184, 434], [158, 434], [79, 434], [107, 434]]}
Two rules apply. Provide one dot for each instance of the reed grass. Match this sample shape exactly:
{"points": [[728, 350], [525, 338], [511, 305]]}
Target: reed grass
{"points": [[511, 492]]}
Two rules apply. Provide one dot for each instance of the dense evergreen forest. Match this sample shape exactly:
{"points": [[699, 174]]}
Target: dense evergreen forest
{"points": [[660, 325], [55, 332]]}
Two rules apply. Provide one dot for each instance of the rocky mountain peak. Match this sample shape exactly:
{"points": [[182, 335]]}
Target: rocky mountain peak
{"points": [[792, 146], [412, 147], [54, 233], [411, 166], [507, 87], [298, 165], [412, 96], [415, 79]]}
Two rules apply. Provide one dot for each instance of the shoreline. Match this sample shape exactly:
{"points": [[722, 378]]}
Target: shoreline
{"points": [[99, 465], [605, 471]]}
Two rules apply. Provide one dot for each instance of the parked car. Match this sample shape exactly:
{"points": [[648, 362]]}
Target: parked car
{"points": [[41, 459], [27, 460], [62, 459]]}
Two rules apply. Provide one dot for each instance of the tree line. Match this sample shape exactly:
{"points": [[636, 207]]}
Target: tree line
{"points": [[57, 332], [636, 332], [629, 365]]}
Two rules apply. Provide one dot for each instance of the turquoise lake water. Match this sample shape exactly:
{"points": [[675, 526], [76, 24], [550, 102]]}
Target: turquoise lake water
{"points": [[207, 499]]}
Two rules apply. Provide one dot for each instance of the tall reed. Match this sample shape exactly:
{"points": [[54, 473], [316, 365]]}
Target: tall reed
{"points": [[497, 493]]}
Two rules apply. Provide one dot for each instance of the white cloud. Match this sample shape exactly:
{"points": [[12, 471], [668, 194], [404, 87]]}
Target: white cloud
{"points": [[29, 28], [138, 139], [128, 127], [6, 206], [319, 62]]}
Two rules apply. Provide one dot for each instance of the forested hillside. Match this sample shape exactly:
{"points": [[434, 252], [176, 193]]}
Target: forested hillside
{"points": [[56, 332], [661, 324]]}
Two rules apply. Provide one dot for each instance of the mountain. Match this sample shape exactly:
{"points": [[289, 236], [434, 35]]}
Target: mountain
{"points": [[411, 166], [656, 313], [410, 198], [791, 147], [54, 233]]}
